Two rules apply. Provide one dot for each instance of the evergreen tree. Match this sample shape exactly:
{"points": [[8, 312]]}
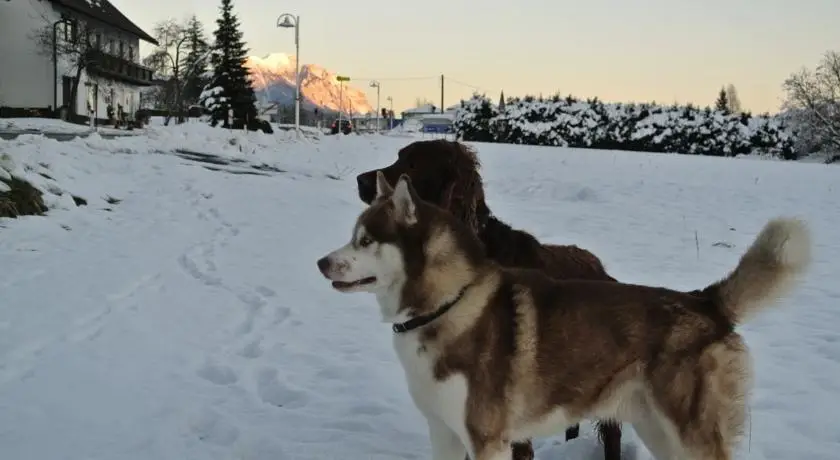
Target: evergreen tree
{"points": [[722, 102], [230, 73], [195, 62]]}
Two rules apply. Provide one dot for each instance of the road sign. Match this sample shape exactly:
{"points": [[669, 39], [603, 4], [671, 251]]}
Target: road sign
{"points": [[342, 78]]}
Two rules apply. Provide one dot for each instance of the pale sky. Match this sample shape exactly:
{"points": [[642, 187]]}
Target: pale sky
{"points": [[618, 50]]}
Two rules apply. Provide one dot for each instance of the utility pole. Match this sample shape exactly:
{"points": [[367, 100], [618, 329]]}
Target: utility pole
{"points": [[390, 113], [441, 94]]}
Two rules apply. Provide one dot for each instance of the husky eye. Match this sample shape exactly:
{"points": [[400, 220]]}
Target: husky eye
{"points": [[365, 241]]}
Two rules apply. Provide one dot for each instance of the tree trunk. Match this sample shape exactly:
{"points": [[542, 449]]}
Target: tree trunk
{"points": [[74, 92]]}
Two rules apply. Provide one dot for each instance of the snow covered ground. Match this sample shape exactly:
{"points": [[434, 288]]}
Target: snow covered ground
{"points": [[53, 126], [189, 321]]}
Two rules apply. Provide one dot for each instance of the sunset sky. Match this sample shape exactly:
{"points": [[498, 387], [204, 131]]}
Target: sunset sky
{"points": [[618, 50]]}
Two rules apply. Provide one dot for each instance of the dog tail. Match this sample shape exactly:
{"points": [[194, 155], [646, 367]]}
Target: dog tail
{"points": [[766, 272]]}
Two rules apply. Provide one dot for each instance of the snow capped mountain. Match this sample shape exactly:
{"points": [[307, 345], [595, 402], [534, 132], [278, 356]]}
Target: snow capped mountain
{"points": [[273, 76]]}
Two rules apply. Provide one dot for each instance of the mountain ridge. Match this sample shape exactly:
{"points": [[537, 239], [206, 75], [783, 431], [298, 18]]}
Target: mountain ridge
{"points": [[273, 77]]}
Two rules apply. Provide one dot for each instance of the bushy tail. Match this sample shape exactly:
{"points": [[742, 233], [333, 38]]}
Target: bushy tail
{"points": [[767, 271]]}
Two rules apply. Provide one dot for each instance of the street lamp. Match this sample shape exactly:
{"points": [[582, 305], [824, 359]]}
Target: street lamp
{"points": [[287, 21], [341, 79], [375, 84]]}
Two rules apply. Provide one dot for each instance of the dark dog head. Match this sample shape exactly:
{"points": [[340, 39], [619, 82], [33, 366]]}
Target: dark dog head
{"points": [[442, 172]]}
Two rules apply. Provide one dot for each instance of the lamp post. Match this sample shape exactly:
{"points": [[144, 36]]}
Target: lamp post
{"points": [[55, 63], [341, 79], [375, 84], [390, 112], [287, 21]]}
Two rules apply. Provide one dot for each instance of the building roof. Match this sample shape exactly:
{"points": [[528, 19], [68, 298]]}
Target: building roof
{"points": [[425, 108], [104, 11]]}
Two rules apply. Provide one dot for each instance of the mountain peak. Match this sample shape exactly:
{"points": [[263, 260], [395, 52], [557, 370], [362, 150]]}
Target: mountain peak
{"points": [[274, 61], [273, 76]]}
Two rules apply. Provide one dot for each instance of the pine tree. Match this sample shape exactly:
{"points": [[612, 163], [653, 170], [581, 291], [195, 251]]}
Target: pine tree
{"points": [[230, 73], [722, 102], [195, 62]]}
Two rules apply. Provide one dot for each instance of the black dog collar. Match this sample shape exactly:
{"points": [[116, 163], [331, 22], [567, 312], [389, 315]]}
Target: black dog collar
{"points": [[420, 321]]}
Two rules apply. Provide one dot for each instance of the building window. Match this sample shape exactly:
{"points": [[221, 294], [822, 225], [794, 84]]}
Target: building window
{"points": [[112, 47], [70, 30], [98, 43], [130, 53], [122, 50]]}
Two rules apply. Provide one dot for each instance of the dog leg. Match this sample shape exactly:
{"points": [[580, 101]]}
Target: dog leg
{"points": [[446, 445], [523, 450], [652, 428], [609, 431], [572, 432]]}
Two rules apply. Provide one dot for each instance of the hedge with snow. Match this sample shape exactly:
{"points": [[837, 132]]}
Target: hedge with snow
{"points": [[569, 122]]}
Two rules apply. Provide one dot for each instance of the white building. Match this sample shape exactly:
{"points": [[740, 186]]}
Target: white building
{"points": [[415, 112], [90, 31]]}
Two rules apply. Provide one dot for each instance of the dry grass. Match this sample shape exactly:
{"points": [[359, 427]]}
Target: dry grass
{"points": [[21, 200]]}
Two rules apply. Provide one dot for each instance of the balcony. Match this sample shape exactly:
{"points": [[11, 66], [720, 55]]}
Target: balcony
{"points": [[105, 65]]}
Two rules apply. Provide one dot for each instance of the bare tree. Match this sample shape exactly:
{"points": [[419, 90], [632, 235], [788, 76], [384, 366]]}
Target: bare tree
{"points": [[732, 99], [166, 61], [421, 102], [815, 97], [73, 42]]}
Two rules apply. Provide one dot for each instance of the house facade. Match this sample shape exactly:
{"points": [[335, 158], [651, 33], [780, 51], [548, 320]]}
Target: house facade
{"points": [[44, 42]]}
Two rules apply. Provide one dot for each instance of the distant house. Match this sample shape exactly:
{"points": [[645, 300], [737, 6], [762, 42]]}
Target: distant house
{"points": [[31, 80], [415, 112]]}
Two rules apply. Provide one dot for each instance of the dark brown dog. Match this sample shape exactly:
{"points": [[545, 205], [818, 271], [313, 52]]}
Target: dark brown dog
{"points": [[446, 173]]}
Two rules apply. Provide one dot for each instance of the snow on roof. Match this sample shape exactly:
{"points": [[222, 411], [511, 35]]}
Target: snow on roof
{"points": [[425, 108]]}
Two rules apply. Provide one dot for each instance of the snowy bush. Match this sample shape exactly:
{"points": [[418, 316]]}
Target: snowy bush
{"points": [[569, 122], [213, 98]]}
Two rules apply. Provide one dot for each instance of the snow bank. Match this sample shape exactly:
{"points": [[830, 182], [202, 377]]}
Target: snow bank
{"points": [[48, 125], [62, 170]]}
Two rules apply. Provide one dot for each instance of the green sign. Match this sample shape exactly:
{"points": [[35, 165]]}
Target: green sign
{"points": [[342, 78]]}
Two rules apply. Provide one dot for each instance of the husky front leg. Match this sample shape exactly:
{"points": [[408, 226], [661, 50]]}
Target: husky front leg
{"points": [[446, 445]]}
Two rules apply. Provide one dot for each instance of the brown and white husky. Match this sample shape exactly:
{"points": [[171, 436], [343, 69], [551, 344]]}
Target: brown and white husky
{"points": [[492, 355]]}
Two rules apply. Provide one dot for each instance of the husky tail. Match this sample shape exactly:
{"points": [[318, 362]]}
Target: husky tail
{"points": [[766, 272]]}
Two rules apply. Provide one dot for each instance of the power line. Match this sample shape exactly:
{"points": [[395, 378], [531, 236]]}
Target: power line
{"points": [[394, 78], [457, 82]]}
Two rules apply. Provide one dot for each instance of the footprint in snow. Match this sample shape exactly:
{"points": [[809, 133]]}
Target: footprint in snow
{"points": [[209, 426], [353, 426], [252, 349], [218, 374], [265, 292], [272, 391]]}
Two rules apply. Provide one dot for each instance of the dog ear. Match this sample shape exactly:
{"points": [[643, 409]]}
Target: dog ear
{"points": [[404, 198], [464, 196], [383, 188]]}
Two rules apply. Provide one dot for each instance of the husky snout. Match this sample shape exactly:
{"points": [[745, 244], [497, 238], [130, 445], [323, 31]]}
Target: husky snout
{"points": [[339, 268], [332, 267], [324, 264]]}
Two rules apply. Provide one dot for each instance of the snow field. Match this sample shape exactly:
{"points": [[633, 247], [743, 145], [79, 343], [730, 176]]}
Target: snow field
{"points": [[190, 321]]}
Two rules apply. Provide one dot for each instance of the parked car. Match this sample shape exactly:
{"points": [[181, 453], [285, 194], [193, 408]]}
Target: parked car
{"points": [[346, 127]]}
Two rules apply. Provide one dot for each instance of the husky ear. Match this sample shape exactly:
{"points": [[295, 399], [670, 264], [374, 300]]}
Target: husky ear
{"points": [[383, 188], [404, 199]]}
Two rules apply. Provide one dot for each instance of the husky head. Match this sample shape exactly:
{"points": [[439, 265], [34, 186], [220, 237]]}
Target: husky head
{"points": [[403, 246]]}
